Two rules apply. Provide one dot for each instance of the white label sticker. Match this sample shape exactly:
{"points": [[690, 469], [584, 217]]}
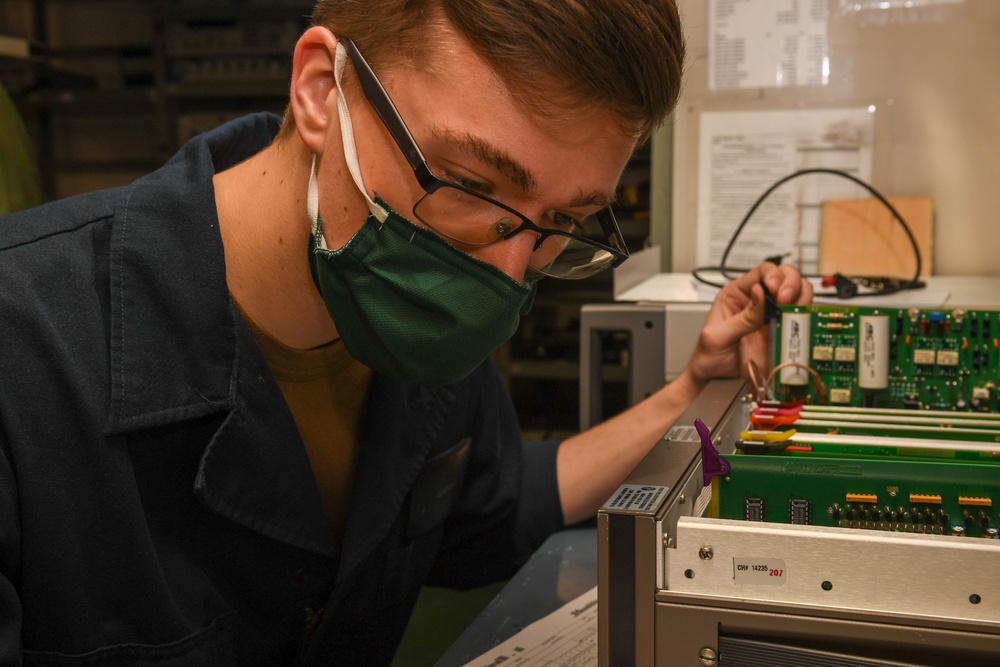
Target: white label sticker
{"points": [[636, 497], [759, 571], [682, 434]]}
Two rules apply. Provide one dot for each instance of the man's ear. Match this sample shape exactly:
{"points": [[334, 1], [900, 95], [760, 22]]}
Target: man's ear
{"points": [[313, 90]]}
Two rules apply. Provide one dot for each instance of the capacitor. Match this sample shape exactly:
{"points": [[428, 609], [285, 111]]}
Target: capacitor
{"points": [[795, 346], [873, 366]]}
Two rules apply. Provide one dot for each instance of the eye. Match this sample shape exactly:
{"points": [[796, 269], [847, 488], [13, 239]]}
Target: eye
{"points": [[466, 182], [563, 220]]}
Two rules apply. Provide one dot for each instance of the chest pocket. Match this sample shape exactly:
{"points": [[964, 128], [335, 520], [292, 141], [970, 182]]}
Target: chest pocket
{"points": [[437, 487]]}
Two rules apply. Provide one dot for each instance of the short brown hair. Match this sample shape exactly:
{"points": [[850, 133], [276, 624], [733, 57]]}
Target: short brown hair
{"points": [[623, 55]]}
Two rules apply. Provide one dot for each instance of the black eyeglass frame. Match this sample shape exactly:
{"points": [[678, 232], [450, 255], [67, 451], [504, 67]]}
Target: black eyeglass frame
{"points": [[386, 110]]}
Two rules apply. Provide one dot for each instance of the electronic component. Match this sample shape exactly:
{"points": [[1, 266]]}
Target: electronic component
{"points": [[823, 353], [873, 370], [840, 395], [800, 511], [846, 354], [754, 509], [794, 347]]}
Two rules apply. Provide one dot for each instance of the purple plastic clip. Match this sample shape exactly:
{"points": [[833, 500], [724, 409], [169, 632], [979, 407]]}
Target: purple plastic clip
{"points": [[712, 464]]}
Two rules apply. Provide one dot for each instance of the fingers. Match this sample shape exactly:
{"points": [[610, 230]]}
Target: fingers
{"points": [[753, 314], [805, 293], [743, 298], [785, 283], [747, 318]]}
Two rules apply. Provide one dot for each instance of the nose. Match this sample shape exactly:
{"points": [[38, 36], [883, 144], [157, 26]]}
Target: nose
{"points": [[510, 255]]}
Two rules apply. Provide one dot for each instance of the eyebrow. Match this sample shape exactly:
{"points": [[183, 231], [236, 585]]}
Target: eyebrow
{"points": [[594, 198], [486, 152], [517, 173]]}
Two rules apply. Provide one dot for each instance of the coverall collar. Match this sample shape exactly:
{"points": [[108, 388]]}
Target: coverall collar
{"points": [[168, 276]]}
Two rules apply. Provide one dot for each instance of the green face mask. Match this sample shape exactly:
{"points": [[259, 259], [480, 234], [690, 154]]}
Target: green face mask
{"points": [[411, 306]]}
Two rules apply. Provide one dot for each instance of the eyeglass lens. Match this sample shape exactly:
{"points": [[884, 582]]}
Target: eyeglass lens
{"points": [[469, 220]]}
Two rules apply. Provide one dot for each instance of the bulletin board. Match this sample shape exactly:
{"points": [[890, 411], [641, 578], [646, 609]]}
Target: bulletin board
{"points": [[904, 94]]}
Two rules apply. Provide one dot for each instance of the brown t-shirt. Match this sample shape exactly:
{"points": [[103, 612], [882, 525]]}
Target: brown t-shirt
{"points": [[327, 392]]}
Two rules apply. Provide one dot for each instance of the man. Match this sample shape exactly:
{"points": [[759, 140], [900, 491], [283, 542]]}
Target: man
{"points": [[245, 409]]}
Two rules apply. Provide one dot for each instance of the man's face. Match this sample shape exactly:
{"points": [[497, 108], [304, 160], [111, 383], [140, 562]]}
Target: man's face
{"points": [[472, 132]]}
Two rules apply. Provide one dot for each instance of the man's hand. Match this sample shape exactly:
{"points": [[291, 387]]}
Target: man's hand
{"points": [[734, 333]]}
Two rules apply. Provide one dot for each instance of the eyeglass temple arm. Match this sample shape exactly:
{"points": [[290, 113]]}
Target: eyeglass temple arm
{"points": [[610, 226], [382, 103]]}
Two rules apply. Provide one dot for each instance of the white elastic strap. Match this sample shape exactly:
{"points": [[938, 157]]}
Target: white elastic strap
{"points": [[347, 135], [312, 197], [350, 155]]}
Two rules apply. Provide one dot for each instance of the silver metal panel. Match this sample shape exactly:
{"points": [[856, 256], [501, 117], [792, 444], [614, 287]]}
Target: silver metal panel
{"points": [[932, 575], [631, 539], [688, 633], [662, 337], [645, 326]]}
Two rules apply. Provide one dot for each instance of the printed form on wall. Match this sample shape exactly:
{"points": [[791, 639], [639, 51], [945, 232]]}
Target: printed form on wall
{"points": [[768, 43], [743, 153]]}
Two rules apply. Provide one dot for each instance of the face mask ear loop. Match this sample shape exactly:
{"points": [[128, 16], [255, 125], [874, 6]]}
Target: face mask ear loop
{"points": [[347, 135], [312, 204]]}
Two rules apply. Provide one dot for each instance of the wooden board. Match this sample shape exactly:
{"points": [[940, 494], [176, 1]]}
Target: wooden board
{"points": [[861, 237]]}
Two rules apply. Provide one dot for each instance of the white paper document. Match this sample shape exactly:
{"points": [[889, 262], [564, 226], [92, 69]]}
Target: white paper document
{"points": [[768, 43], [743, 153], [565, 638]]}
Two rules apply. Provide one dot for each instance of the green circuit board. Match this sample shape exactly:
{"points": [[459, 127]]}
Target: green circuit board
{"points": [[876, 418], [951, 498], [915, 359]]}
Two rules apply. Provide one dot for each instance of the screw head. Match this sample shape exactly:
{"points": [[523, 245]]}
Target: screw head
{"points": [[706, 553], [708, 656]]}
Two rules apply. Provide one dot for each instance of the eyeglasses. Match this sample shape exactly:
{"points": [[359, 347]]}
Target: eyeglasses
{"points": [[567, 246]]}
